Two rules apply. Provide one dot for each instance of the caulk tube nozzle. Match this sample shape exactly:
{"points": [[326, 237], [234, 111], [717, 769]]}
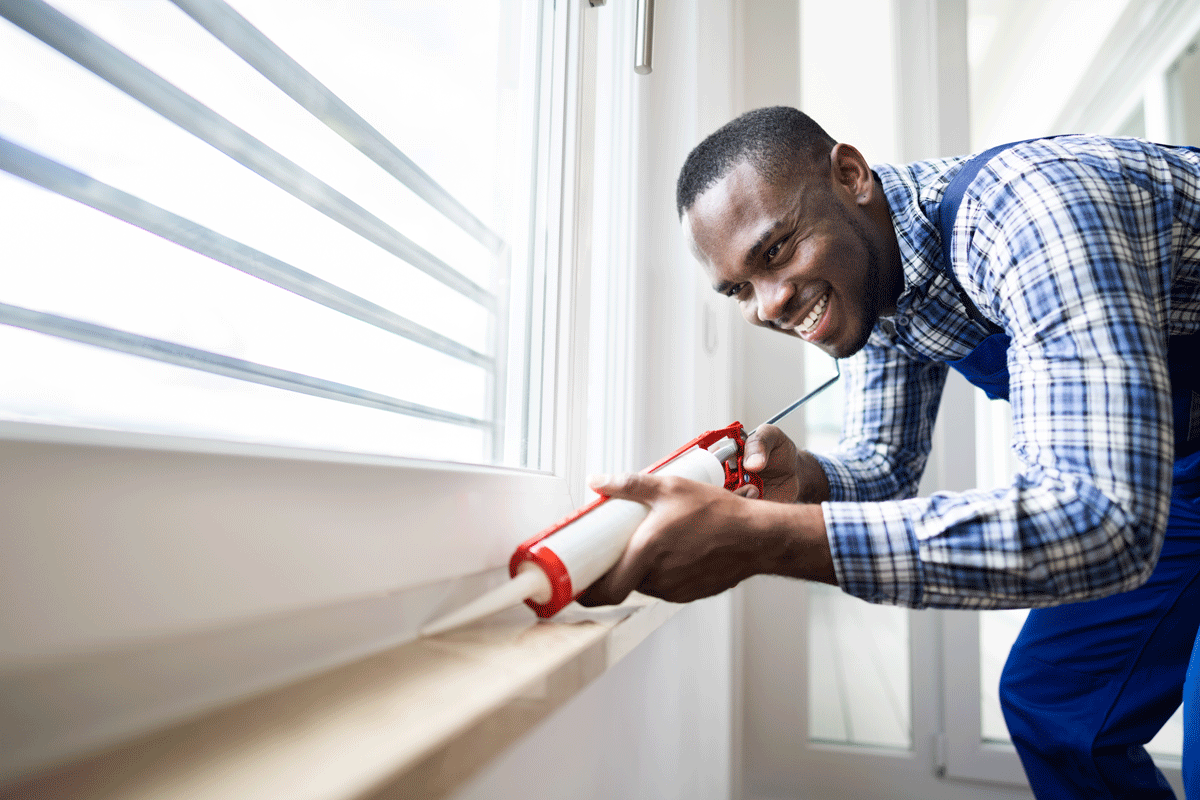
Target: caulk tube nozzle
{"points": [[530, 583]]}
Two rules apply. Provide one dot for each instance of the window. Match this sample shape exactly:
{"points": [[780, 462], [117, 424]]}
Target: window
{"points": [[352, 236], [290, 319]]}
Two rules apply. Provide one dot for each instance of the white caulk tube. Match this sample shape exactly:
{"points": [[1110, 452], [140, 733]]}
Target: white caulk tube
{"points": [[550, 570]]}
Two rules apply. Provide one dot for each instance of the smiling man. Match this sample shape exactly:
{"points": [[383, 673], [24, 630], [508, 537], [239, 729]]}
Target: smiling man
{"points": [[1062, 274], [752, 236]]}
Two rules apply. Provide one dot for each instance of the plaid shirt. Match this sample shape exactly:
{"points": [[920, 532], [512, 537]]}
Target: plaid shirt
{"points": [[1086, 250]]}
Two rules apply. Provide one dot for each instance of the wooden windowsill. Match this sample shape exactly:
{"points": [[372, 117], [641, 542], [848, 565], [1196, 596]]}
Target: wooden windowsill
{"points": [[415, 721]]}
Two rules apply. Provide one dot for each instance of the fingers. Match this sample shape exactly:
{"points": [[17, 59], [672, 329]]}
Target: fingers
{"points": [[615, 585], [666, 555], [637, 486], [759, 446], [628, 573]]}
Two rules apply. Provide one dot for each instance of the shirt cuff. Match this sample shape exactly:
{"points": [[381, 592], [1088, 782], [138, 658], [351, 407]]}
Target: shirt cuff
{"points": [[875, 553], [842, 486]]}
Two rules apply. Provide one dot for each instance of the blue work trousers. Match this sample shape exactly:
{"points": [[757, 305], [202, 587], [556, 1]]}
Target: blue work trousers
{"points": [[1086, 685]]}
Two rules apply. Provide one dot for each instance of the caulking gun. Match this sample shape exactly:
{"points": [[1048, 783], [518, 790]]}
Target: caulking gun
{"points": [[557, 565]]}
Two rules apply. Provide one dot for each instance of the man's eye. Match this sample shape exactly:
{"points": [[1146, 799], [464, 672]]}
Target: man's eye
{"points": [[775, 249], [735, 290]]}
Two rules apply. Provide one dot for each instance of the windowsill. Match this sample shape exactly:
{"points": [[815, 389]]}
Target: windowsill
{"points": [[416, 720]]}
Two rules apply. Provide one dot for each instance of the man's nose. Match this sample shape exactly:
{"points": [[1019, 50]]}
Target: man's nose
{"points": [[773, 301]]}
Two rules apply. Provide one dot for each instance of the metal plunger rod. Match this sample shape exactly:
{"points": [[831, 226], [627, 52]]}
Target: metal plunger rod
{"points": [[807, 397]]}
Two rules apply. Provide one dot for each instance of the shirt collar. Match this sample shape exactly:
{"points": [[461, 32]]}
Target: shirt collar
{"points": [[913, 192]]}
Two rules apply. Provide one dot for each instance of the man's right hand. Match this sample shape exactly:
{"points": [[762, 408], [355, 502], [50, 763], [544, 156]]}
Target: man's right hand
{"points": [[788, 475]]}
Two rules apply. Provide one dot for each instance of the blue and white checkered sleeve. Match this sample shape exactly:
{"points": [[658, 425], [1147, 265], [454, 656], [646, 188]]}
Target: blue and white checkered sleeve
{"points": [[891, 403], [887, 425]]}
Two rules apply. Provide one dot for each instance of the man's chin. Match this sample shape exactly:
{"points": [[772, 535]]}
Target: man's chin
{"points": [[843, 349], [836, 349]]}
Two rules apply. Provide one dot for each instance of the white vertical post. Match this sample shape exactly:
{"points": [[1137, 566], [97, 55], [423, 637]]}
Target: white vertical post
{"points": [[933, 116], [933, 119]]}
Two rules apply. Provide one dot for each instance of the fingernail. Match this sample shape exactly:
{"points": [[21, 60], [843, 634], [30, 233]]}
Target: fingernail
{"points": [[597, 480], [755, 460]]}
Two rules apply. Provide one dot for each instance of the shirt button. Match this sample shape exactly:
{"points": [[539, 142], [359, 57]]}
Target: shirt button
{"points": [[901, 320]]}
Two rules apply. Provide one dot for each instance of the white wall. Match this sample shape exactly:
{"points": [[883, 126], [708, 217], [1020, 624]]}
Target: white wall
{"points": [[1028, 58], [660, 724]]}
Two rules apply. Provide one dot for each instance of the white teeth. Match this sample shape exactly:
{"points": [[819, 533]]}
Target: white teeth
{"points": [[810, 322]]}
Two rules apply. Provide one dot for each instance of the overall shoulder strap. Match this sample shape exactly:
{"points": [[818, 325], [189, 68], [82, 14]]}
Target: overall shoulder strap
{"points": [[948, 210]]}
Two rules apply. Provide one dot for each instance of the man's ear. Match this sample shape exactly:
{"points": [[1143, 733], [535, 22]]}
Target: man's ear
{"points": [[852, 173]]}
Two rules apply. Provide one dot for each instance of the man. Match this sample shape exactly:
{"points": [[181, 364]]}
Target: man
{"points": [[1071, 286]]}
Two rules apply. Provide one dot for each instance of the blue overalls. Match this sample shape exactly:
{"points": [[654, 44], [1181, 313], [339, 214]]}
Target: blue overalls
{"points": [[1086, 685]]}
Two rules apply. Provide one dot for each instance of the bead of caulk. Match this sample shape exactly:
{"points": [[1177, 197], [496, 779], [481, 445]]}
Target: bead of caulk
{"points": [[530, 582]]}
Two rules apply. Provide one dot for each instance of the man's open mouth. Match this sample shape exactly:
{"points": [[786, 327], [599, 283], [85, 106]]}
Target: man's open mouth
{"points": [[810, 322]]}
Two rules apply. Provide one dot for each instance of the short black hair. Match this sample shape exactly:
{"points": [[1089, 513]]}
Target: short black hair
{"points": [[769, 138]]}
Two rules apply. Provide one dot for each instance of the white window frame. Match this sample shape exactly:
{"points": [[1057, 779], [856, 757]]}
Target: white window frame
{"points": [[134, 544]]}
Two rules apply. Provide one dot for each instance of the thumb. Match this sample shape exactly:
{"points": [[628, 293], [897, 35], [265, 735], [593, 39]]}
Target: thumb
{"points": [[760, 445], [640, 487]]}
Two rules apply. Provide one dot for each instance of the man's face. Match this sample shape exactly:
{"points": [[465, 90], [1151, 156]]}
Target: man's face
{"points": [[801, 257]]}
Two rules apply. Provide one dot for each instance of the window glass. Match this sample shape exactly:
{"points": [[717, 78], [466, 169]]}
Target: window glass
{"points": [[451, 87], [859, 685]]}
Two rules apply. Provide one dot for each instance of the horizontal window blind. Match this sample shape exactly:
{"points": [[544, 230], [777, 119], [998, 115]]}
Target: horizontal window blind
{"points": [[213, 227]]}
